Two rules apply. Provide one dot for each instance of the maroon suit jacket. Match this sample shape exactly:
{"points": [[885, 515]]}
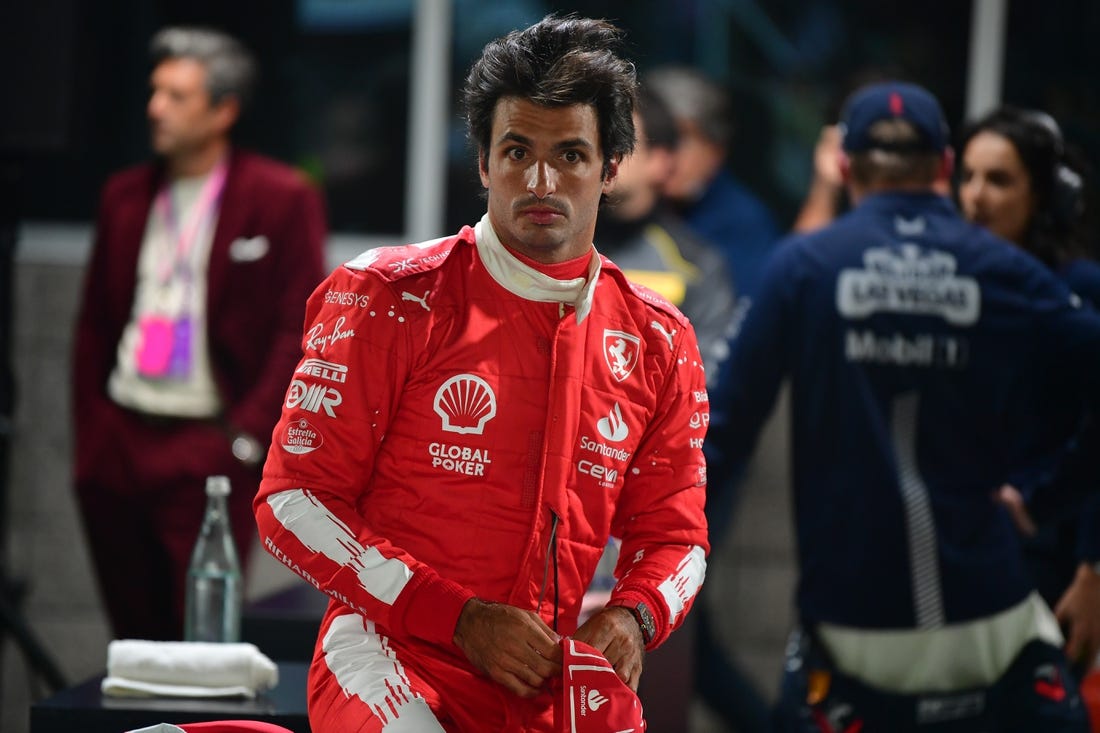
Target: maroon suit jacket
{"points": [[255, 304]]}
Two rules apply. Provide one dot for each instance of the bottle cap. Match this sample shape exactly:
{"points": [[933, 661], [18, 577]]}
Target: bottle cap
{"points": [[217, 486]]}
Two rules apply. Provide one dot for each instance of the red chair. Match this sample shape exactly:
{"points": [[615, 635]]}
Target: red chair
{"points": [[233, 726]]}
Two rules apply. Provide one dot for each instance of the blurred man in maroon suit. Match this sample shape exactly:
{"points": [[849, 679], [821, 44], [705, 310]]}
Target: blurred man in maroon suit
{"points": [[188, 330]]}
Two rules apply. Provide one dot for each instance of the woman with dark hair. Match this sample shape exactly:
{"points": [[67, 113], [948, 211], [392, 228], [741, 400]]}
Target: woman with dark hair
{"points": [[1017, 178]]}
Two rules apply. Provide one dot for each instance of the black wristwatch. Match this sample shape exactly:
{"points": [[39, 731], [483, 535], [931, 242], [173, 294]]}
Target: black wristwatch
{"points": [[645, 621]]}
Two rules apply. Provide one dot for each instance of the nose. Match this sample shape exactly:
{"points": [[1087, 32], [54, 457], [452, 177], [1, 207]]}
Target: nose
{"points": [[541, 179], [971, 191], [155, 105]]}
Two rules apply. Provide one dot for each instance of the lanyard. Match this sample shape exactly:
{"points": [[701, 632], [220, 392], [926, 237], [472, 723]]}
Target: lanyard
{"points": [[184, 236]]}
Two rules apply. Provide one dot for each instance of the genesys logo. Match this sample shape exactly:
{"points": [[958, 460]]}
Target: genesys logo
{"points": [[465, 402], [613, 427], [343, 297], [327, 370], [300, 437]]}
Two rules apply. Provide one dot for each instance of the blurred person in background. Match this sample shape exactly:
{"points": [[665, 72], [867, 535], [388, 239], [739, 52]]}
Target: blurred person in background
{"points": [[187, 330], [720, 209], [1018, 179], [654, 247], [701, 188], [914, 341]]}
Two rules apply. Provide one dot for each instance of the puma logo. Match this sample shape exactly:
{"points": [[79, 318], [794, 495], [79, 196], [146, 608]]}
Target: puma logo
{"points": [[423, 301], [667, 334]]}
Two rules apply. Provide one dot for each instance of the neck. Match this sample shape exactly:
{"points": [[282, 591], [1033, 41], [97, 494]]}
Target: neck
{"points": [[199, 162]]}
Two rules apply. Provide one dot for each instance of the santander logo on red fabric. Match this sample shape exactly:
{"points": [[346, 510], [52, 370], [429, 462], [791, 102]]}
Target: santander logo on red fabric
{"points": [[595, 699]]}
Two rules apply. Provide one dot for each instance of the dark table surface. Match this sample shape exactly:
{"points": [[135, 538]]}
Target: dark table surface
{"points": [[284, 625], [84, 708]]}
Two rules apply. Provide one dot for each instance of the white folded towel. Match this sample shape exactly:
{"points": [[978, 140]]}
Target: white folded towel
{"points": [[137, 668]]}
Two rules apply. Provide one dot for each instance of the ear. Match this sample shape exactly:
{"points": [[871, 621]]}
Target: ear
{"points": [[612, 171], [844, 163], [947, 164], [226, 113], [483, 167]]}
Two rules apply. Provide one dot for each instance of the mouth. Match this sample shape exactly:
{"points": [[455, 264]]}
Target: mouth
{"points": [[542, 214]]}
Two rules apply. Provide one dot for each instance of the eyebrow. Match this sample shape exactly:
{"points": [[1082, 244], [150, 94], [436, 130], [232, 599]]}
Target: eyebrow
{"points": [[576, 142]]}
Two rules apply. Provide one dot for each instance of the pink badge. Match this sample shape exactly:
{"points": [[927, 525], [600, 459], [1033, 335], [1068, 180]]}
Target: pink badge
{"points": [[155, 349]]}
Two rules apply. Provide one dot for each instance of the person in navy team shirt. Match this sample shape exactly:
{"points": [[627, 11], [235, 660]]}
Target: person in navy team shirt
{"points": [[914, 342]]}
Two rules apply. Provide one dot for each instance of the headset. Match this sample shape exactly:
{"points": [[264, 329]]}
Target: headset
{"points": [[1067, 186]]}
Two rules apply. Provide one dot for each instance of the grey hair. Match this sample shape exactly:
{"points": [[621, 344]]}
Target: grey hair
{"points": [[693, 96], [230, 68]]}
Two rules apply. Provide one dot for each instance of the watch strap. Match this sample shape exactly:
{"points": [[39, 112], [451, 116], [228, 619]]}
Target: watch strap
{"points": [[644, 617]]}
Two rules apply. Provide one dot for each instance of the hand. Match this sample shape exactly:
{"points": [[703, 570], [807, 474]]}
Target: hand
{"points": [[1011, 499], [1078, 611], [512, 646], [827, 157], [614, 632]]}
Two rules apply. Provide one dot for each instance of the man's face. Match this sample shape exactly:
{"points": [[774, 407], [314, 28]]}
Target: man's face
{"points": [[697, 162], [182, 120], [544, 175], [641, 178]]}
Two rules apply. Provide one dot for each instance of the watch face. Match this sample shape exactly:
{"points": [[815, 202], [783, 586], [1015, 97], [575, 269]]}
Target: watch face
{"points": [[645, 620]]}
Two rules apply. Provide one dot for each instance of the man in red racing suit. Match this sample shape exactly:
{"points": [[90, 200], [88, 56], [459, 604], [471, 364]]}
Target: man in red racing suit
{"points": [[468, 426]]}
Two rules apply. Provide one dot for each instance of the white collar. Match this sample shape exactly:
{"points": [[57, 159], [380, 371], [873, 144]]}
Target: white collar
{"points": [[527, 282]]}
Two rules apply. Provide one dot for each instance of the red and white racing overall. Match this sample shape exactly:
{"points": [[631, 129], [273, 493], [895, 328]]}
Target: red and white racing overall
{"points": [[455, 430]]}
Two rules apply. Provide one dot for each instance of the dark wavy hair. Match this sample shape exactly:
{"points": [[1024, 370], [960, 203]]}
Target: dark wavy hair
{"points": [[558, 62], [1058, 231]]}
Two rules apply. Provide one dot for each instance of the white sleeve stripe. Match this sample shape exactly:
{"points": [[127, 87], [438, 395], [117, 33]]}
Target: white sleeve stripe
{"points": [[682, 585], [321, 531]]}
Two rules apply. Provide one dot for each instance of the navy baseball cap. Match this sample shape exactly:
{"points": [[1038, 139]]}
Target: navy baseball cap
{"points": [[893, 100]]}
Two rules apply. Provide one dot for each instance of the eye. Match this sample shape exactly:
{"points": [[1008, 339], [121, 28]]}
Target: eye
{"points": [[572, 156], [515, 153]]}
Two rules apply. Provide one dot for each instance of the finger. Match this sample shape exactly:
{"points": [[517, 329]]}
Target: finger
{"points": [[532, 677], [543, 639], [629, 670], [635, 678], [1011, 499], [517, 685], [542, 667]]}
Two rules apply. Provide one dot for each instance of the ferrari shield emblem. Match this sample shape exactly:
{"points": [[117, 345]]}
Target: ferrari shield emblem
{"points": [[620, 351]]}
